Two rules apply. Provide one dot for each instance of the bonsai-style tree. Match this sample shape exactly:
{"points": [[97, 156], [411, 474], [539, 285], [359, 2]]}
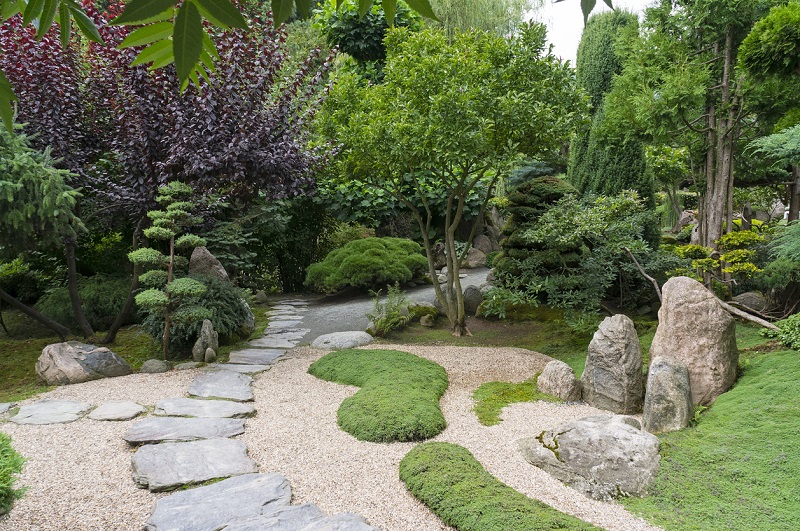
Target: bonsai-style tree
{"points": [[167, 293], [459, 112]]}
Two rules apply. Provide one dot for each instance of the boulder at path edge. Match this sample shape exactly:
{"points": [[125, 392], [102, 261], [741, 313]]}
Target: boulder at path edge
{"points": [[668, 400], [341, 340], [74, 362], [558, 379]]}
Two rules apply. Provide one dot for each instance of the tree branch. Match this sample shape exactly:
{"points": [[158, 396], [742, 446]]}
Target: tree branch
{"points": [[645, 275]]}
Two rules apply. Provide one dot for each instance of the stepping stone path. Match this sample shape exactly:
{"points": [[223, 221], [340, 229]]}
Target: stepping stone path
{"points": [[117, 410], [187, 442], [51, 412]]}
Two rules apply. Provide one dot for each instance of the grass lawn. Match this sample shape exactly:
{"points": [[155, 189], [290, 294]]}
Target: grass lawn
{"points": [[399, 395], [18, 353]]}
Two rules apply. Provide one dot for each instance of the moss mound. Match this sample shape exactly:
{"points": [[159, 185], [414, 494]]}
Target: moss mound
{"points": [[399, 395], [454, 485]]}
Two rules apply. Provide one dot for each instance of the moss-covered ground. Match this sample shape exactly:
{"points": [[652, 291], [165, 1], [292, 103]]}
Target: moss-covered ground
{"points": [[453, 484], [20, 350], [399, 395], [491, 397]]}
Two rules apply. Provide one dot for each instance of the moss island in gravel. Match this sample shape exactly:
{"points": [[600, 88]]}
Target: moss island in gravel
{"points": [[399, 396], [10, 465], [454, 485]]}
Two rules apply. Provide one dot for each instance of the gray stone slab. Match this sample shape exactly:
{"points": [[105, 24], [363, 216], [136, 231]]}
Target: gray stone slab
{"points": [[271, 342], [285, 317], [6, 406], [290, 307], [178, 429], [222, 384], [255, 356], [51, 412], [192, 407], [235, 367], [117, 410], [340, 522], [166, 466], [340, 340], [188, 365], [283, 324], [288, 335], [211, 507], [291, 518]]}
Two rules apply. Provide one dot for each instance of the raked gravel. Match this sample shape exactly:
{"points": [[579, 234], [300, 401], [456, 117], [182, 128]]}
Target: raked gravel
{"points": [[79, 473]]}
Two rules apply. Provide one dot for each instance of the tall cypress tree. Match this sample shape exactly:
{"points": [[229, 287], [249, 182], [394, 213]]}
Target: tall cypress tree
{"points": [[604, 161]]}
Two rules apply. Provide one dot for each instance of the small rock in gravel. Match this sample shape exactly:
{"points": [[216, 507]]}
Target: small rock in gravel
{"points": [[192, 407], [236, 367], [255, 356], [340, 522], [51, 412], [117, 410], [188, 365], [166, 466], [176, 429], [155, 366], [213, 506], [340, 340], [222, 384]]}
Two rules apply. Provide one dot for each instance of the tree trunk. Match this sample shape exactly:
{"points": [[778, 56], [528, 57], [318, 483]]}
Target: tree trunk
{"points": [[166, 310], [127, 307], [59, 329], [794, 195], [72, 287]]}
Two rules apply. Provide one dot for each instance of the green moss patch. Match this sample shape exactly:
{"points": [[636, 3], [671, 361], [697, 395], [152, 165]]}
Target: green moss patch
{"points": [[737, 469], [454, 485], [491, 397], [10, 465], [399, 395]]}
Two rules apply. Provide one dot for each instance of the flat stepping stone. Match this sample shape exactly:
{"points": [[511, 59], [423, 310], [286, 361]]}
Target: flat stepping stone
{"points": [[222, 384], [284, 324], [179, 429], [255, 356], [340, 340], [211, 507], [51, 412], [6, 406], [285, 317], [117, 410], [166, 466], [272, 342], [291, 518], [288, 335], [192, 407], [340, 522], [235, 367]]}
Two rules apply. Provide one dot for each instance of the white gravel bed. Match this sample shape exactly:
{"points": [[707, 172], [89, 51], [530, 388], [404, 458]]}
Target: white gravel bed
{"points": [[79, 475]]}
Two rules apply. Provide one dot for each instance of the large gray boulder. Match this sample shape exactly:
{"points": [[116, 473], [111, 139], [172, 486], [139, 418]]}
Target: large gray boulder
{"points": [[558, 379], [341, 340], [695, 329], [154, 366], [208, 339], [668, 400], [475, 258], [472, 299], [75, 362], [603, 456], [485, 244], [752, 299], [202, 262], [613, 379]]}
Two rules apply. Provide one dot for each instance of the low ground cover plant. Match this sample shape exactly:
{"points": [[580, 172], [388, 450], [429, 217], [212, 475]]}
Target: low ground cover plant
{"points": [[491, 397], [369, 263], [10, 465], [453, 484], [399, 395]]}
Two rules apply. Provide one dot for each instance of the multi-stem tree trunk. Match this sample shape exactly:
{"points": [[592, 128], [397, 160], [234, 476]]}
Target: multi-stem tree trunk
{"points": [[59, 329], [716, 208], [127, 307], [167, 322], [72, 287], [794, 194]]}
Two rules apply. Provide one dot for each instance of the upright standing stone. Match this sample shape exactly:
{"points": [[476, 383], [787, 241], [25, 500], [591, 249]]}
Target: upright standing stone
{"points": [[208, 339], [695, 329], [668, 400], [613, 379], [558, 379], [202, 262]]}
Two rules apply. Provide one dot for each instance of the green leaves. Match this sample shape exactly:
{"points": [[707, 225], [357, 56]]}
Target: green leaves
{"points": [[188, 40], [6, 98], [224, 14], [148, 34], [283, 9], [139, 11]]}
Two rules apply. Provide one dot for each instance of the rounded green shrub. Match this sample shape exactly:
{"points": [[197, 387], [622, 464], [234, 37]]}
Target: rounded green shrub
{"points": [[10, 465], [399, 396], [102, 297], [453, 484], [368, 263]]}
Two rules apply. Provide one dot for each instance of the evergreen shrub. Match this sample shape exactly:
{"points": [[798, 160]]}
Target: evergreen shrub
{"points": [[368, 263], [10, 465], [102, 297]]}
